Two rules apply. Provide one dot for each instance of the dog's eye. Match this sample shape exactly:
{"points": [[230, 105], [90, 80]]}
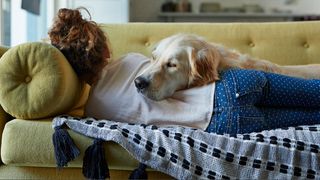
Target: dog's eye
{"points": [[170, 64]]}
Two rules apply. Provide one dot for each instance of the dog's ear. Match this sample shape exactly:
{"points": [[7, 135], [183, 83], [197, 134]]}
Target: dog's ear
{"points": [[204, 66]]}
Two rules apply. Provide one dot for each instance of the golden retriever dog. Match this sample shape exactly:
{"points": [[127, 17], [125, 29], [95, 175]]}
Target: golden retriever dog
{"points": [[185, 60]]}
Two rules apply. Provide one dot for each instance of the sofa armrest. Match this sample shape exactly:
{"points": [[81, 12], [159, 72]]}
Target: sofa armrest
{"points": [[4, 118], [3, 49]]}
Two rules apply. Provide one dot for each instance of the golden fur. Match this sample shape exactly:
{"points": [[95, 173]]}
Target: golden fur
{"points": [[185, 60]]}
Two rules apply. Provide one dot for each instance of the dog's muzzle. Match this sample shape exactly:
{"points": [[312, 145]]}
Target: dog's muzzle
{"points": [[141, 83]]}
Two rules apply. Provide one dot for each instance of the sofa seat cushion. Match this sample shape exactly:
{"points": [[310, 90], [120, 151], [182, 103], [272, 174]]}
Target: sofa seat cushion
{"points": [[29, 143], [37, 81]]}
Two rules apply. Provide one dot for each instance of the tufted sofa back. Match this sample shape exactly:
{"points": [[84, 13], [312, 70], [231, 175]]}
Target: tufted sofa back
{"points": [[287, 43]]}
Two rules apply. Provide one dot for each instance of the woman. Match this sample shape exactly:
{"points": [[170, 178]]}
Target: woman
{"points": [[243, 101], [82, 42]]}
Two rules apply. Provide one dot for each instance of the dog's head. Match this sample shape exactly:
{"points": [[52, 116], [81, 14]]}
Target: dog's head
{"points": [[178, 62]]}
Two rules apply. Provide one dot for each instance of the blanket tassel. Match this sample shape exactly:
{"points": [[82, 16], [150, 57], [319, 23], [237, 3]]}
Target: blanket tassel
{"points": [[94, 162], [139, 173], [64, 148]]}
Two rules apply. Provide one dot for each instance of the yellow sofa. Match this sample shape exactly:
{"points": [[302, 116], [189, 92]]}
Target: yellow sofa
{"points": [[26, 146]]}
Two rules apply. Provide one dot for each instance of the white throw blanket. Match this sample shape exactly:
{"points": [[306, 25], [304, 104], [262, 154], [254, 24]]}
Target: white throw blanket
{"points": [[186, 153]]}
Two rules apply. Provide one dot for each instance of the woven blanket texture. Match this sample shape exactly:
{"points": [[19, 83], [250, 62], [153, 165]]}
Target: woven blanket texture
{"points": [[186, 153]]}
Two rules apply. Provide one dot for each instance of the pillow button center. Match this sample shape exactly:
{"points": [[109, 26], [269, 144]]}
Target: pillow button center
{"points": [[27, 79]]}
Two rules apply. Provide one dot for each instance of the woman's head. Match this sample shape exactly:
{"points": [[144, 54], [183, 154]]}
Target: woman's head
{"points": [[82, 42]]}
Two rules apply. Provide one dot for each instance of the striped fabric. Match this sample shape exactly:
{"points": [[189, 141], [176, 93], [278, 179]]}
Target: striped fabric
{"points": [[186, 153]]}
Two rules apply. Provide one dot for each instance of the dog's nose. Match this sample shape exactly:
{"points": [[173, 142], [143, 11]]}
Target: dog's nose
{"points": [[141, 83]]}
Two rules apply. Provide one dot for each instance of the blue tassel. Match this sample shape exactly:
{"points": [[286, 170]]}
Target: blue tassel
{"points": [[140, 172], [64, 148], [94, 162]]}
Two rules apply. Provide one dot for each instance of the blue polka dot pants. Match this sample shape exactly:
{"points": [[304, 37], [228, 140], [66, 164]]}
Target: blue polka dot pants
{"points": [[252, 101]]}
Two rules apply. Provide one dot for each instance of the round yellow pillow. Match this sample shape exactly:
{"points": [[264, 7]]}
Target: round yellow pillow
{"points": [[36, 81]]}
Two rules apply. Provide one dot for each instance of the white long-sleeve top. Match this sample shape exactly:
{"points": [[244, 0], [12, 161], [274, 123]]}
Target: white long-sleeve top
{"points": [[116, 98]]}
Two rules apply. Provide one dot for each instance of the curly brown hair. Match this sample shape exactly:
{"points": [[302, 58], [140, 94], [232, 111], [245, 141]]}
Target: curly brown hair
{"points": [[82, 42]]}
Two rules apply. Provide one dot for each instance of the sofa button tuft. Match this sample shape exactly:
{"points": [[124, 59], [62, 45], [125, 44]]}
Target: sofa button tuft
{"points": [[251, 44], [306, 45], [147, 44]]}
